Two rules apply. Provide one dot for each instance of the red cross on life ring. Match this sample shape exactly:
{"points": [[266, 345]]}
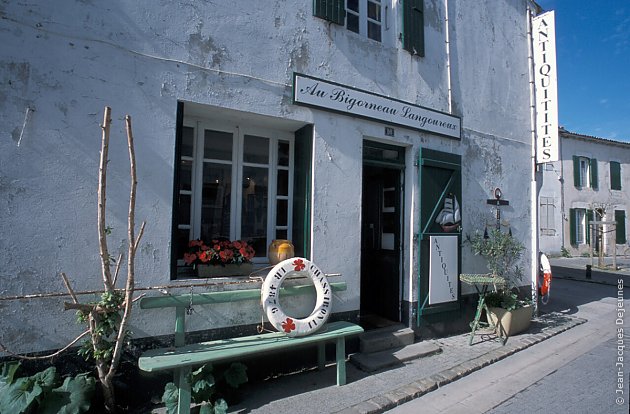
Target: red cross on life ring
{"points": [[271, 303]]}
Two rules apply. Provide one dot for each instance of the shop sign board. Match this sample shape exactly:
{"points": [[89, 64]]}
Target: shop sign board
{"points": [[443, 269], [546, 88], [320, 93]]}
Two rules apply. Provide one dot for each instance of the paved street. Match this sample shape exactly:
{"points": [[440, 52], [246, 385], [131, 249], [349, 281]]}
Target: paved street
{"points": [[571, 372]]}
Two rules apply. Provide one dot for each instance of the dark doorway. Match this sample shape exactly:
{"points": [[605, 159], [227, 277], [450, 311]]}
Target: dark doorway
{"points": [[381, 239]]}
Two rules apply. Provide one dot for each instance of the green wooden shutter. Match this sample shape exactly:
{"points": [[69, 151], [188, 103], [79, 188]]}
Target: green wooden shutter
{"points": [[576, 171], [332, 10], [620, 233], [301, 237], [593, 170], [413, 26], [590, 216], [615, 175], [572, 226]]}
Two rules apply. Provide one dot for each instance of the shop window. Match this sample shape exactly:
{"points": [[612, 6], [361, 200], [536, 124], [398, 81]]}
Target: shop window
{"points": [[547, 215], [579, 219], [236, 182], [585, 172], [615, 175]]}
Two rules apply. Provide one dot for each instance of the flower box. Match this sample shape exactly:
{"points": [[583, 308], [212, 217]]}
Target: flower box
{"points": [[242, 269], [511, 322]]}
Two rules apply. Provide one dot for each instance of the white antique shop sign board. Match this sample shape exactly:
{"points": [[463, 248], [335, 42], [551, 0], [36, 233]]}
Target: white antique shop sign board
{"points": [[443, 269]]}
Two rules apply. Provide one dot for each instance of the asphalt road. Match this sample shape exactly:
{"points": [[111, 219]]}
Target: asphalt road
{"points": [[573, 372]]}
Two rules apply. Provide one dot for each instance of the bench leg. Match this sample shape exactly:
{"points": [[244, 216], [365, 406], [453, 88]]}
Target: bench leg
{"points": [[181, 381], [321, 356], [341, 361]]}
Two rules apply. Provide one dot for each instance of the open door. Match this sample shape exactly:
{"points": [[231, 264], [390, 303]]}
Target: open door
{"points": [[381, 235], [440, 231]]}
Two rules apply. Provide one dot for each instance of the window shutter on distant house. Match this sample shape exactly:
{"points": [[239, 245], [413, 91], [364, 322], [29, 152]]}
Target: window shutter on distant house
{"points": [[615, 175], [413, 26], [590, 216], [332, 10], [593, 171], [572, 226], [620, 232]]}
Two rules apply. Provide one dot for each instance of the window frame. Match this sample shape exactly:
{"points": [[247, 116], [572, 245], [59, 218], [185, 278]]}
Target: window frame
{"points": [[200, 125], [364, 18]]}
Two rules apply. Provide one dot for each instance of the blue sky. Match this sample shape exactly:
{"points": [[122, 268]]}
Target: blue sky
{"points": [[593, 58]]}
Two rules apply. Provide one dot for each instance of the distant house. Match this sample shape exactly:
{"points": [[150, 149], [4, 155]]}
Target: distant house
{"points": [[589, 184]]}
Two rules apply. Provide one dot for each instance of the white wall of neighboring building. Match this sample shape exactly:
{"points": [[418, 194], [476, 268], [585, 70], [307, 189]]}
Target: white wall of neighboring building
{"points": [[61, 64]]}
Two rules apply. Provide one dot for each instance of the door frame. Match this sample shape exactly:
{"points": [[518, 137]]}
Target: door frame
{"points": [[398, 163]]}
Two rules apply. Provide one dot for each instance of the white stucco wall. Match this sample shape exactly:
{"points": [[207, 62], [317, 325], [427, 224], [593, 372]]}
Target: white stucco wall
{"points": [[67, 62]]}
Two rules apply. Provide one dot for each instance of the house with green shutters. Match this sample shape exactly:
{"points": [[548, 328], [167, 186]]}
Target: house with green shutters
{"points": [[584, 200]]}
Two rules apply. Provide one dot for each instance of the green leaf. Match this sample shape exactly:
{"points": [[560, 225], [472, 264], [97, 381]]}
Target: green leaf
{"points": [[170, 397], [206, 409], [74, 396], [47, 378], [220, 406], [7, 372], [17, 397], [236, 375]]}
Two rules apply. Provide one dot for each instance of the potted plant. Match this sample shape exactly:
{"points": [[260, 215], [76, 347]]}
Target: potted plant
{"points": [[219, 257], [502, 252]]}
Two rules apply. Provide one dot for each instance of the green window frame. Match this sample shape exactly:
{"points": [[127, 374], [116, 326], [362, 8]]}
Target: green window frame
{"points": [[333, 11], [620, 230], [615, 175], [413, 26]]}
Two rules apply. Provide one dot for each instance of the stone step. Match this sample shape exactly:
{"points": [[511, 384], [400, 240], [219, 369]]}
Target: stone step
{"points": [[395, 336], [375, 361]]}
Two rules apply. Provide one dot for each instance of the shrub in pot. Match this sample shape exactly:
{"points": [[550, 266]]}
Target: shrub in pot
{"points": [[502, 253]]}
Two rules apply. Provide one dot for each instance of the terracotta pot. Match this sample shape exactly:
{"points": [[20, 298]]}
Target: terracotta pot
{"points": [[280, 250], [511, 322], [233, 269]]}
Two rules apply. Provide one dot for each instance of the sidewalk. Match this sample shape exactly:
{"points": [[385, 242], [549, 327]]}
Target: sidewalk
{"points": [[315, 391], [574, 268]]}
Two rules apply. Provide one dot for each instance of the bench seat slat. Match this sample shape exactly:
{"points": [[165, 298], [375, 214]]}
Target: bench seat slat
{"points": [[173, 301], [226, 349]]}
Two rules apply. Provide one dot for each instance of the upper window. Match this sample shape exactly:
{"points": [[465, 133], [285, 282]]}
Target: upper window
{"points": [[365, 18], [615, 175], [369, 18], [585, 172]]}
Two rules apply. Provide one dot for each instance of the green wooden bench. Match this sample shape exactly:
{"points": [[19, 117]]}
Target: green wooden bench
{"points": [[182, 358]]}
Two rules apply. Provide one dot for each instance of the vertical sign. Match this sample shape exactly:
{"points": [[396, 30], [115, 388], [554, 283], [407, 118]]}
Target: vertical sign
{"points": [[546, 87], [443, 269]]}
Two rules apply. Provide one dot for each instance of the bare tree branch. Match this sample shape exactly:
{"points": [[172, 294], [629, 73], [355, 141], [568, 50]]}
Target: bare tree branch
{"points": [[67, 283], [118, 263], [32, 358], [102, 197]]}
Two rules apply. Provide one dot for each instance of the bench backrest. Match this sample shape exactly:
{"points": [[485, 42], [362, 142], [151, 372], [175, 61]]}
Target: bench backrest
{"points": [[181, 302]]}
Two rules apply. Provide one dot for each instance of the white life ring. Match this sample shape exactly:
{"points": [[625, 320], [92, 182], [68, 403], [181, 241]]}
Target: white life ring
{"points": [[271, 304]]}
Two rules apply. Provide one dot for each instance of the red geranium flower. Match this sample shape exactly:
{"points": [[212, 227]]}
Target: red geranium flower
{"points": [[205, 256], [237, 244], [189, 258], [288, 325], [226, 255], [299, 265]]}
